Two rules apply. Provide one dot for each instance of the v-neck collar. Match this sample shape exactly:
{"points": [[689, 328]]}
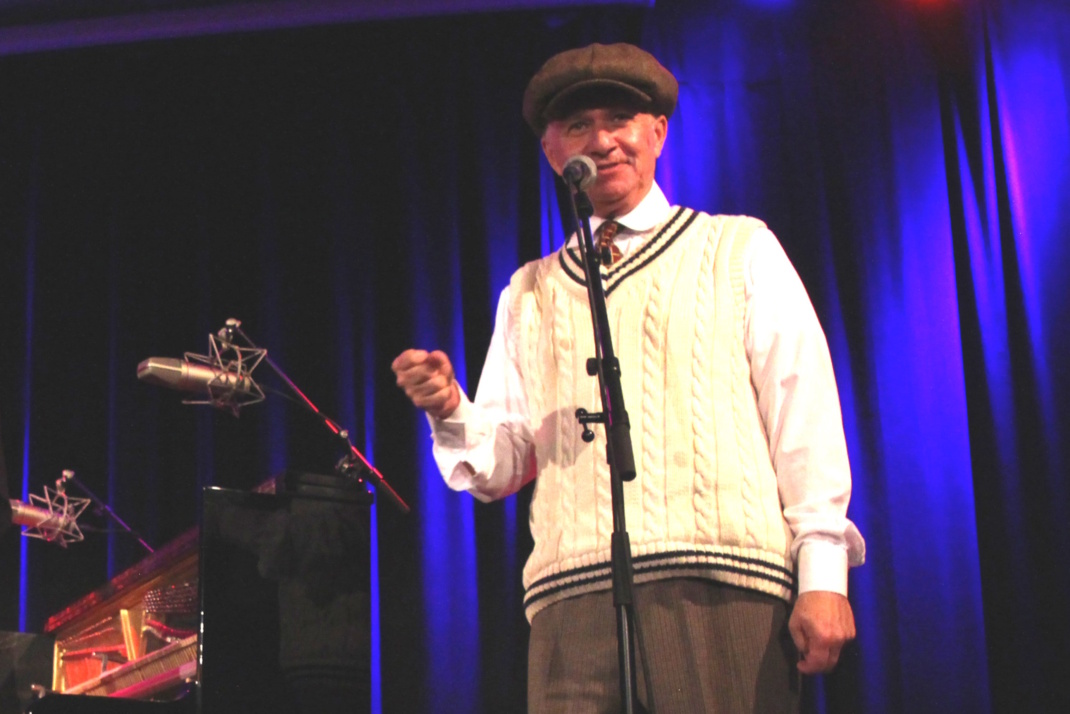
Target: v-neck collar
{"points": [[572, 263]]}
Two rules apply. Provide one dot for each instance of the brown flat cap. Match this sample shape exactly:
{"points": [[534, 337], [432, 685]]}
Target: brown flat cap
{"points": [[594, 72]]}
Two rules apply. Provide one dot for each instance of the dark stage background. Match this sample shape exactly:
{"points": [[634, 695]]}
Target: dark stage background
{"points": [[354, 189]]}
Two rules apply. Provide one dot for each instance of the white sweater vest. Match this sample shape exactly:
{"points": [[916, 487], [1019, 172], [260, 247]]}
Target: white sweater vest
{"points": [[704, 502]]}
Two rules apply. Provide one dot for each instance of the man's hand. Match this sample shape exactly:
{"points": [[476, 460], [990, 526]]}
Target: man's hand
{"points": [[427, 378], [821, 624]]}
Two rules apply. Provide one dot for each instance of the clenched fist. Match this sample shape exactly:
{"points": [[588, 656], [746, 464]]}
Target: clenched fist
{"points": [[821, 624], [427, 378]]}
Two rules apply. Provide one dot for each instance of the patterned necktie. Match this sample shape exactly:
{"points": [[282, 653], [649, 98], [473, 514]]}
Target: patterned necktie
{"points": [[607, 249]]}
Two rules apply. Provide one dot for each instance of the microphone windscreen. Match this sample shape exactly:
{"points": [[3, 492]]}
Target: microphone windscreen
{"points": [[580, 171]]}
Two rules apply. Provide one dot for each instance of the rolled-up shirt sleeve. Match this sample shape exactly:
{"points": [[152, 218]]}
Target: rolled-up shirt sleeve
{"points": [[797, 397], [486, 447]]}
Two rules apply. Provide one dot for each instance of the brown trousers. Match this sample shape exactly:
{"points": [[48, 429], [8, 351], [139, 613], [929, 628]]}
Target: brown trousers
{"points": [[712, 648]]}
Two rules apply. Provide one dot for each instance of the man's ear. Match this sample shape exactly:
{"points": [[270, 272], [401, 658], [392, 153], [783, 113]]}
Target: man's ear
{"points": [[546, 152], [661, 131]]}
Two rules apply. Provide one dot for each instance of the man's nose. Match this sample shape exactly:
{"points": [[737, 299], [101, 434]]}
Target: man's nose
{"points": [[602, 140]]}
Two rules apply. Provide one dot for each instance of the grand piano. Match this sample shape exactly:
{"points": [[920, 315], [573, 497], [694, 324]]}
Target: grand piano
{"points": [[265, 609]]}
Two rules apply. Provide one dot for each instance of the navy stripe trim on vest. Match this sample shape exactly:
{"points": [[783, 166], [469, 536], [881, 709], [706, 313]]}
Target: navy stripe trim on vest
{"points": [[607, 577], [617, 278], [640, 559], [660, 562], [572, 263]]}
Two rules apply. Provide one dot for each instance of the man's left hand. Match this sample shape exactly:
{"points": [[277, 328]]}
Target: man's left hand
{"points": [[821, 624]]}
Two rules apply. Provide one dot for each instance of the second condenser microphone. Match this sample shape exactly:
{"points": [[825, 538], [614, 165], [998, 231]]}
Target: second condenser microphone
{"points": [[185, 376]]}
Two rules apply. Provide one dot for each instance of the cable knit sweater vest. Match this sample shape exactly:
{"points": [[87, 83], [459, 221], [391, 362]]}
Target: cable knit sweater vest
{"points": [[704, 502]]}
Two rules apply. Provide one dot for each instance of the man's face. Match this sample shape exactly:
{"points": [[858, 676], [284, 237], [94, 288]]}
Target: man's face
{"points": [[623, 143]]}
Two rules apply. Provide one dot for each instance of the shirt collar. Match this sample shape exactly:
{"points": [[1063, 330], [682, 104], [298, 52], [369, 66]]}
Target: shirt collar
{"points": [[652, 211]]}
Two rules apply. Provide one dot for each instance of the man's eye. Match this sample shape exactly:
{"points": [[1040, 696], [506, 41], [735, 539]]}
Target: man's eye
{"points": [[577, 126]]}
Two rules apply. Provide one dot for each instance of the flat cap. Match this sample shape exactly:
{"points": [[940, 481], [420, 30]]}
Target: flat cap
{"points": [[574, 76]]}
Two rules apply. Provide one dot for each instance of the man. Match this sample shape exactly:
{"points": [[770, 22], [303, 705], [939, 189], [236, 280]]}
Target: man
{"points": [[737, 515]]}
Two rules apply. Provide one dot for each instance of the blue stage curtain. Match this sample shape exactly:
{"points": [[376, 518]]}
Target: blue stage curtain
{"points": [[350, 191]]}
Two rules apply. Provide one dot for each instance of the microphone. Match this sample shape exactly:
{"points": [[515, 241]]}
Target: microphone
{"points": [[185, 376], [52, 518], [579, 172], [224, 375], [25, 514]]}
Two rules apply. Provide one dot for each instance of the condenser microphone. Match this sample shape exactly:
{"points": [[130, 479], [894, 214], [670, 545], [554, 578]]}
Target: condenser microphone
{"points": [[185, 376], [579, 172], [26, 514], [52, 517]]}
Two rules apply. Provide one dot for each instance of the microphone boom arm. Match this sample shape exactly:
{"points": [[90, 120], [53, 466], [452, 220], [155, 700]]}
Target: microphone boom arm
{"points": [[354, 464], [105, 509]]}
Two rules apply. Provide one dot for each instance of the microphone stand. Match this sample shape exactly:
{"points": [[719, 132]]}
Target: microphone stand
{"points": [[353, 464], [618, 447], [102, 507]]}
